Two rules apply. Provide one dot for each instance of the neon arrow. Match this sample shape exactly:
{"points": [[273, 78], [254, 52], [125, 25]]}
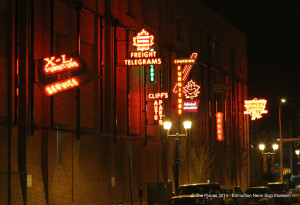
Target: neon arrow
{"points": [[186, 70]]}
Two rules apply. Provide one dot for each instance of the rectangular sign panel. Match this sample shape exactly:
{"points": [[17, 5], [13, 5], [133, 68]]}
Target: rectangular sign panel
{"points": [[190, 105], [59, 68]]}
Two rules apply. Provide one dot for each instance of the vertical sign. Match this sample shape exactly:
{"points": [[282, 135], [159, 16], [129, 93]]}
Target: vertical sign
{"points": [[219, 116], [152, 74], [179, 91], [158, 111]]}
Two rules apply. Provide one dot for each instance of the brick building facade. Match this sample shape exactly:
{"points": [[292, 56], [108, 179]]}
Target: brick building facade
{"points": [[80, 146]]}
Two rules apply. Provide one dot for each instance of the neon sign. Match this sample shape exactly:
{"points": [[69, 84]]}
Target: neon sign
{"points": [[144, 56], [143, 41], [57, 87], [181, 77], [152, 74], [158, 111], [190, 105], [153, 96], [191, 90], [255, 108], [187, 68], [58, 68], [219, 116], [185, 61], [158, 105], [179, 89]]}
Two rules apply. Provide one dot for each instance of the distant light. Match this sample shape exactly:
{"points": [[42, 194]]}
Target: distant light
{"points": [[261, 147], [278, 140], [275, 146], [187, 124], [297, 152], [167, 125], [283, 100]]}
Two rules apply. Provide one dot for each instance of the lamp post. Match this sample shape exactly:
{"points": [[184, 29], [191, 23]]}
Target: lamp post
{"points": [[297, 152], [167, 126], [262, 147], [280, 142]]}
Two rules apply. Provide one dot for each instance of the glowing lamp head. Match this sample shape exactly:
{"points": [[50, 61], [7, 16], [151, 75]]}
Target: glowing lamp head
{"points": [[275, 146], [187, 125], [297, 152], [282, 100], [261, 147], [167, 125]]}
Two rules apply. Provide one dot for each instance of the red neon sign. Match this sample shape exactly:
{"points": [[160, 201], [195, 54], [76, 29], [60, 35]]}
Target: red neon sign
{"points": [[153, 96], [58, 68], [143, 61], [143, 41], [219, 116], [55, 88], [158, 111], [187, 69], [255, 108], [179, 93], [59, 64], [190, 105], [191, 90], [158, 105]]}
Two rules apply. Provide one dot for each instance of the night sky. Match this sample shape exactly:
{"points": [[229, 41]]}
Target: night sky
{"points": [[273, 31]]}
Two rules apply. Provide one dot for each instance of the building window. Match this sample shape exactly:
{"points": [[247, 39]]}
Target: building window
{"points": [[178, 30]]}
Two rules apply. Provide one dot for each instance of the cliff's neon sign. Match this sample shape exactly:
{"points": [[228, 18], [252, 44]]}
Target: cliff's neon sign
{"points": [[219, 116], [255, 108], [158, 105], [143, 42]]}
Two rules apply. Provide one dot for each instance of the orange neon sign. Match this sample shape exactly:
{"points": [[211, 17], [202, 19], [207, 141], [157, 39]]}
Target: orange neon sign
{"points": [[255, 108], [60, 86], [191, 90], [158, 111], [59, 64], [153, 96], [143, 41], [158, 105], [219, 116], [187, 68], [143, 61], [57, 68], [179, 91], [144, 56]]}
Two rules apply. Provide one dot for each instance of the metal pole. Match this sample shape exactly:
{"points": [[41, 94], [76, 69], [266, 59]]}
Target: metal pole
{"points": [[280, 146], [176, 164]]}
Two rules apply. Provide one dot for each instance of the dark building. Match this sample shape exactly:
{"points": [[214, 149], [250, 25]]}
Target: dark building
{"points": [[88, 144]]}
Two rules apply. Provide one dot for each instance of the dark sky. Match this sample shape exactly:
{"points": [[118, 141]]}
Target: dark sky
{"points": [[273, 32]]}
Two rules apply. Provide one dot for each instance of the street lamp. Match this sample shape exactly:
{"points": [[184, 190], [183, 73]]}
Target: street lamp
{"points": [[167, 126], [297, 153], [262, 147], [280, 142]]}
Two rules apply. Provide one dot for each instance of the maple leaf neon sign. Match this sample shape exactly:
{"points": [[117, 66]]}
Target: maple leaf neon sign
{"points": [[191, 90], [255, 108], [143, 41]]}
